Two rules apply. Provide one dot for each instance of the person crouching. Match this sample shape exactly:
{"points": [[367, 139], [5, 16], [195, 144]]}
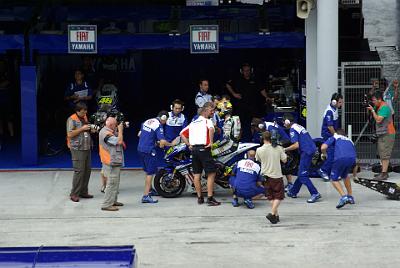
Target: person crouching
{"points": [[247, 181]]}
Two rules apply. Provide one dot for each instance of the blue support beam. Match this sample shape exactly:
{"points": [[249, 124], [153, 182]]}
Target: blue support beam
{"points": [[29, 135]]}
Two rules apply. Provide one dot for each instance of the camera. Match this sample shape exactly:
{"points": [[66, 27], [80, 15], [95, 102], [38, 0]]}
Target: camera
{"points": [[94, 128], [120, 117], [274, 138], [374, 138], [366, 101]]}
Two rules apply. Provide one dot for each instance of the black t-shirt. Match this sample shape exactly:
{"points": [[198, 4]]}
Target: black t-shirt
{"points": [[252, 100]]}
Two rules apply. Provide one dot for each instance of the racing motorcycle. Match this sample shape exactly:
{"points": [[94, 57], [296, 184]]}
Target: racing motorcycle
{"points": [[177, 176], [107, 103]]}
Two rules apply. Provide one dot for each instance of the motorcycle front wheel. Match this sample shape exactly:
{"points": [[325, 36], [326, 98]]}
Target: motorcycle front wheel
{"points": [[169, 184]]}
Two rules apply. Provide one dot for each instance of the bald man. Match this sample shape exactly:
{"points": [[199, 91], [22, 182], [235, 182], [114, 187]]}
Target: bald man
{"points": [[246, 181], [112, 157]]}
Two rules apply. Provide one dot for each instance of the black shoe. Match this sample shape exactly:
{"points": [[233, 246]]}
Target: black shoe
{"points": [[212, 202], [200, 200], [382, 177], [272, 218]]}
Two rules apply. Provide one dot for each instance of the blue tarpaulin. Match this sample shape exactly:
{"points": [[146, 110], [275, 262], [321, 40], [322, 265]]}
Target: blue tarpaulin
{"points": [[11, 42], [116, 43]]}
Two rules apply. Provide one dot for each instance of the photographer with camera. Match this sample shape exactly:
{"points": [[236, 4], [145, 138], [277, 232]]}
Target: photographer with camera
{"points": [[384, 130], [270, 156], [111, 152], [80, 143], [278, 136]]}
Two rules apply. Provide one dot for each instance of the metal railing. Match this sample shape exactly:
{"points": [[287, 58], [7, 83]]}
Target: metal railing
{"points": [[356, 81]]}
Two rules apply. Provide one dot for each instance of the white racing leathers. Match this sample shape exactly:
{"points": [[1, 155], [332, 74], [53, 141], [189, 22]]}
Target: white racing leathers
{"points": [[229, 143]]}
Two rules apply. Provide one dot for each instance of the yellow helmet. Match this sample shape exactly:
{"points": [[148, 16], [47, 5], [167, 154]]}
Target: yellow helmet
{"points": [[224, 108]]}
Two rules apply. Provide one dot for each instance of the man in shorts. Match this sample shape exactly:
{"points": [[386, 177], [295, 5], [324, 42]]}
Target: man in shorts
{"points": [[198, 136], [270, 158], [342, 162]]}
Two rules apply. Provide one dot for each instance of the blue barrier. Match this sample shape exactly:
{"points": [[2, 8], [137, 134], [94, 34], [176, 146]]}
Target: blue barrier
{"points": [[62, 257], [29, 137]]}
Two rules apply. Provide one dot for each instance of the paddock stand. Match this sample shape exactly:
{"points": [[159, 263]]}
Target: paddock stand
{"points": [[390, 189]]}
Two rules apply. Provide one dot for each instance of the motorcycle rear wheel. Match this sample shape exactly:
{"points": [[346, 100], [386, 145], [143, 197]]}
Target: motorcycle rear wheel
{"points": [[168, 186]]}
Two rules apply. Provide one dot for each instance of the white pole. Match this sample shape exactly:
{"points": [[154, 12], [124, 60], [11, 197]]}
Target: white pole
{"points": [[349, 131], [311, 73], [327, 53]]}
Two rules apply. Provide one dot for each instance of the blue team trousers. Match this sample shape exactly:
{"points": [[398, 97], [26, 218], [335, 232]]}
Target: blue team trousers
{"points": [[303, 175], [327, 166]]}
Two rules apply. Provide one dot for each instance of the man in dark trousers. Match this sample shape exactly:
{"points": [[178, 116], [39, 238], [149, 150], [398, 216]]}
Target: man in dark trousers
{"points": [[301, 140], [80, 144]]}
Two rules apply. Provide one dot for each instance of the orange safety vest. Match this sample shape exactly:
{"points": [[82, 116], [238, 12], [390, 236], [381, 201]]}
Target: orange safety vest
{"points": [[79, 123]]}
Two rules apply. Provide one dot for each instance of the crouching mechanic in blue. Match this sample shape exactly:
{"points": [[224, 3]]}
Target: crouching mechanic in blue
{"points": [[343, 161], [301, 140], [330, 124], [246, 181], [151, 136]]}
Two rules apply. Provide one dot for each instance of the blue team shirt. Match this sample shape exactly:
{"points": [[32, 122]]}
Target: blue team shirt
{"points": [[82, 90], [344, 147], [330, 119], [174, 126], [150, 132], [300, 134], [247, 174], [272, 126]]}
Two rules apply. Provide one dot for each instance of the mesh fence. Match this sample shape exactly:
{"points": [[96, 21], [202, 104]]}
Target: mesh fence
{"points": [[357, 79]]}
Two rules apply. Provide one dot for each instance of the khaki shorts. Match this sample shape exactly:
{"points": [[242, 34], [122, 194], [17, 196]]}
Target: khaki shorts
{"points": [[385, 146]]}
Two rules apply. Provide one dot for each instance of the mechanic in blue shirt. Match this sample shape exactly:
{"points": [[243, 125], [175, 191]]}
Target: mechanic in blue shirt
{"points": [[79, 90], [151, 135], [246, 181], [176, 120], [259, 127], [343, 160], [330, 124], [301, 140], [283, 137]]}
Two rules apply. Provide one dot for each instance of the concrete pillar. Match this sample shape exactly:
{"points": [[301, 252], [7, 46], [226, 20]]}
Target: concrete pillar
{"points": [[311, 72], [327, 57]]}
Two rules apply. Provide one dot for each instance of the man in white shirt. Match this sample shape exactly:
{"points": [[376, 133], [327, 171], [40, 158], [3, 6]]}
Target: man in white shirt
{"points": [[198, 136]]}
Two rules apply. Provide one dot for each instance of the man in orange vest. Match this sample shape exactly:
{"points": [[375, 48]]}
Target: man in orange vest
{"points": [[79, 142], [112, 157]]}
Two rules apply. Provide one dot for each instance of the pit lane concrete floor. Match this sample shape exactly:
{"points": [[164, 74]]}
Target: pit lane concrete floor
{"points": [[35, 210]]}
